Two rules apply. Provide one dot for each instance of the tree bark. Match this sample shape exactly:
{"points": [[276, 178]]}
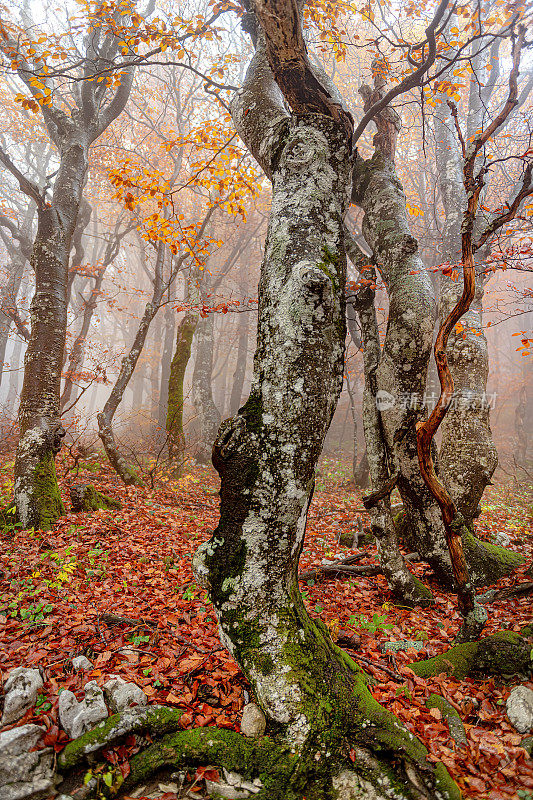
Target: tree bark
{"points": [[240, 367], [127, 368], [468, 456], [313, 694], [166, 363], [207, 414], [36, 492], [178, 367]]}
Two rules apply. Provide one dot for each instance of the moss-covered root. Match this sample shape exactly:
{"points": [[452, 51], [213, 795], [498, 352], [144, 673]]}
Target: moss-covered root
{"points": [[263, 758], [455, 723], [502, 654], [487, 563], [87, 498], [289, 776], [156, 720]]}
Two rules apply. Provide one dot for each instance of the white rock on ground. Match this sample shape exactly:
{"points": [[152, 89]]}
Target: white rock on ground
{"points": [[82, 663], [253, 721], [520, 709], [78, 717], [121, 695], [21, 689], [25, 775]]}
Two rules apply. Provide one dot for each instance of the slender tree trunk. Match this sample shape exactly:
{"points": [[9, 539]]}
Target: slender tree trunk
{"points": [[240, 367], [178, 367], [155, 364], [405, 588], [467, 457], [166, 361], [15, 368], [75, 362], [127, 368], [8, 301], [208, 416]]}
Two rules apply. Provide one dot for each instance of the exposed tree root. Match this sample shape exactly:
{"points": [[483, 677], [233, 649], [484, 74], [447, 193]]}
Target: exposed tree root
{"points": [[157, 720], [503, 654]]}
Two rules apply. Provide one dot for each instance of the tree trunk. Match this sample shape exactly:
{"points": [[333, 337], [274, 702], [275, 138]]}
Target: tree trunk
{"points": [[15, 367], [401, 374], [208, 416], [127, 368], [266, 457], [240, 367], [405, 588], [36, 492], [180, 360], [467, 457], [166, 362]]}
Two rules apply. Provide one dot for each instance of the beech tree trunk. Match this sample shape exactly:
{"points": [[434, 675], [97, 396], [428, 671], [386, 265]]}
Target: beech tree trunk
{"points": [[166, 362], [240, 367], [468, 456], [207, 414], [127, 368], [36, 492], [178, 367], [313, 694]]}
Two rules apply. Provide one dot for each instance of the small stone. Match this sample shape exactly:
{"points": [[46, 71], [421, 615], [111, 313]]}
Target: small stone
{"points": [[226, 790], [520, 709], [501, 539], [400, 647], [21, 690], [121, 695], [253, 721], [78, 717], [82, 663], [25, 775]]}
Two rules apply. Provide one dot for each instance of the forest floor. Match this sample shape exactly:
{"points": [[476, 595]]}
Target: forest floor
{"points": [[56, 589]]}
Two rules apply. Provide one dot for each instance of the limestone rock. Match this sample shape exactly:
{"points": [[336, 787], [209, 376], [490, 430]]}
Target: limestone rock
{"points": [[82, 663], [21, 689], [121, 695], [78, 717], [520, 709], [253, 721], [25, 775]]}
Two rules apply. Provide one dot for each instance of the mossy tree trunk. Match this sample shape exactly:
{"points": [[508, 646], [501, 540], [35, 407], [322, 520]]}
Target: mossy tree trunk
{"points": [[207, 414], [313, 694], [178, 367]]}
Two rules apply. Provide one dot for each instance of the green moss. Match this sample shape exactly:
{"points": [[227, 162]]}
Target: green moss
{"points": [[504, 654], [178, 367], [488, 563], [252, 412], [329, 264], [90, 499], [527, 744], [46, 497], [155, 719]]}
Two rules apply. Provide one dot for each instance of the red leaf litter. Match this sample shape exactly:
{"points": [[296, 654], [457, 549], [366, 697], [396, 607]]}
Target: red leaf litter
{"points": [[63, 592]]}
